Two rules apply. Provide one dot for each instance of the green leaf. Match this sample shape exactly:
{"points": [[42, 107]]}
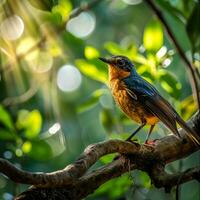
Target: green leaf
{"points": [[107, 158], [75, 45], [153, 36], [63, 8], [30, 122], [115, 188], [6, 135], [54, 49], [193, 27], [92, 101], [188, 107], [173, 11], [145, 180], [114, 48], [146, 72], [5, 118], [108, 120], [131, 52], [38, 150], [93, 69], [91, 52], [53, 18], [46, 5], [26, 147], [169, 83]]}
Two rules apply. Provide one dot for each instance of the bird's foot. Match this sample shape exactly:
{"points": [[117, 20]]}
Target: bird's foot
{"points": [[150, 144]]}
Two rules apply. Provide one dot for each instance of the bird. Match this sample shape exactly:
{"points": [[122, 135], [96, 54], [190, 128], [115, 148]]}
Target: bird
{"points": [[141, 101]]}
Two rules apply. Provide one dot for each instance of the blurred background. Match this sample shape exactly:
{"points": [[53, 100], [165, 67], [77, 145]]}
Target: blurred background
{"points": [[53, 89]]}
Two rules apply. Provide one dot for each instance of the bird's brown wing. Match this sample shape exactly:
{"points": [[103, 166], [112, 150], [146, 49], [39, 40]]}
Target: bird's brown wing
{"points": [[163, 110], [150, 98], [159, 107], [166, 113]]}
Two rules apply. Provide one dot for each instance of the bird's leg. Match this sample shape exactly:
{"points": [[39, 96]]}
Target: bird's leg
{"points": [[129, 138], [134, 133], [149, 133]]}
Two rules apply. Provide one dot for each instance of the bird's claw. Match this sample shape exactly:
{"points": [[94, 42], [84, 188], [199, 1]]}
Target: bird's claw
{"points": [[150, 143]]}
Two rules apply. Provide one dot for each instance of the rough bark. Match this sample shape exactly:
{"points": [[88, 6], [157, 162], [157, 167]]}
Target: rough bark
{"points": [[76, 181]]}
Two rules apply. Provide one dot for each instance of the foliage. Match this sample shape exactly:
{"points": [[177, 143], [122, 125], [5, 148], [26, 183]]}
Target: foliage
{"points": [[32, 97]]}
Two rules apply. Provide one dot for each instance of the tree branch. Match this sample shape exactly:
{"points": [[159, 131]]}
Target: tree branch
{"points": [[162, 179], [82, 8], [193, 80], [15, 100], [71, 173], [75, 183]]}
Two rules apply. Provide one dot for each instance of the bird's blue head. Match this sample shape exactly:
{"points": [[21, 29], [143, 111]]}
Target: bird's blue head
{"points": [[120, 62]]}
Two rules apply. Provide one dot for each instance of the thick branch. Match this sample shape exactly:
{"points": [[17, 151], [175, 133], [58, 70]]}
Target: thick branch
{"points": [[194, 81], [71, 173], [78, 184], [162, 179]]}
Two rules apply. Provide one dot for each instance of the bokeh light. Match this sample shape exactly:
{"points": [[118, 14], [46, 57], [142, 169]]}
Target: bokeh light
{"points": [[68, 78], [43, 62], [7, 154], [54, 129], [82, 25], [117, 7], [167, 62], [7, 196], [55, 138], [12, 28], [162, 51], [18, 152], [39, 60]]}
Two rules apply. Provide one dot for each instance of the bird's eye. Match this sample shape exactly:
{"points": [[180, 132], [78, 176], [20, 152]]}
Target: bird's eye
{"points": [[120, 62]]}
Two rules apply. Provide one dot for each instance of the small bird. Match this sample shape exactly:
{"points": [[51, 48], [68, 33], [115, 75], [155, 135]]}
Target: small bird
{"points": [[140, 100]]}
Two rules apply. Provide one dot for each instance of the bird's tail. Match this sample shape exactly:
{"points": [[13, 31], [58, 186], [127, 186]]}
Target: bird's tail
{"points": [[189, 132]]}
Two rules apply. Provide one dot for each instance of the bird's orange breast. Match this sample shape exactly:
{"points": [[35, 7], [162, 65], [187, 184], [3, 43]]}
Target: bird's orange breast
{"points": [[133, 108]]}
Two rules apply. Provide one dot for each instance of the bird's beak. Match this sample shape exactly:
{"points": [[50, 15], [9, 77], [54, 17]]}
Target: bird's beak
{"points": [[106, 60]]}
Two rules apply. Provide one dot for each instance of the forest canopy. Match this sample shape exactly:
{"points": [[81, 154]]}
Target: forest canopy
{"points": [[55, 99]]}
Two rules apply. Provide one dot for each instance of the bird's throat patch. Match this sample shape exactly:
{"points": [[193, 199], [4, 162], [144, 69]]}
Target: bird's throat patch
{"points": [[117, 73]]}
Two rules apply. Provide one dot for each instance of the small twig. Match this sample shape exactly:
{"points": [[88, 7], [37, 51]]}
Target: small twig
{"points": [[11, 101], [194, 82], [196, 67], [83, 7]]}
